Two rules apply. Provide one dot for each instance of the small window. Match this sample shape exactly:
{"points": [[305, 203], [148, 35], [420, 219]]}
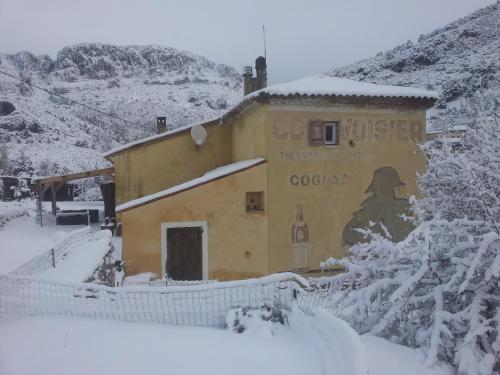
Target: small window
{"points": [[255, 201], [331, 133], [323, 133]]}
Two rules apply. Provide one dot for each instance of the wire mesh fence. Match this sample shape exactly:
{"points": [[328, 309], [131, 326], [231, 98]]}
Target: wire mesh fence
{"points": [[197, 305], [170, 282], [47, 260], [324, 291]]}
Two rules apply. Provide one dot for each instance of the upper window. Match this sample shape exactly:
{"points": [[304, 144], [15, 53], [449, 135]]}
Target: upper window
{"points": [[331, 133], [323, 133]]}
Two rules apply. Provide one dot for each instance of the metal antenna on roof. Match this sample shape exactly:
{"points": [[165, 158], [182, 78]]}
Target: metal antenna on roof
{"points": [[264, 37]]}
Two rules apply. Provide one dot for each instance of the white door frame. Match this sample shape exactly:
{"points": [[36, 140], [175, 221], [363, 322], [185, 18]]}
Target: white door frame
{"points": [[204, 240]]}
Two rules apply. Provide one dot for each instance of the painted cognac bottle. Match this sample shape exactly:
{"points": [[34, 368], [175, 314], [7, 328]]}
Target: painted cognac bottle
{"points": [[300, 242]]}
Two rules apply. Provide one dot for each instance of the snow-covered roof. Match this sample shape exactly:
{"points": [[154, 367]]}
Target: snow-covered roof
{"points": [[207, 177], [321, 85], [326, 85], [158, 136]]}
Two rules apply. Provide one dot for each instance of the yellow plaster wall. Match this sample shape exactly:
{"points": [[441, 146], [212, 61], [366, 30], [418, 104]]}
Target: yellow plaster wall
{"points": [[157, 166], [344, 172], [249, 134], [237, 241]]}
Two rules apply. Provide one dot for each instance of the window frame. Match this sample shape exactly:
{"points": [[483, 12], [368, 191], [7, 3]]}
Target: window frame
{"points": [[260, 202], [335, 134], [319, 127]]}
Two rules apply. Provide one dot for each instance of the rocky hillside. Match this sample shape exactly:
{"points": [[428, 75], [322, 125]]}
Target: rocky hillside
{"points": [[456, 60], [46, 134]]}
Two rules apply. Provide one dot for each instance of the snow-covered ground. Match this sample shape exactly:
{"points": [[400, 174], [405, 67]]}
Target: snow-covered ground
{"points": [[11, 210], [22, 238], [73, 346], [57, 345], [64, 346], [80, 261], [386, 358]]}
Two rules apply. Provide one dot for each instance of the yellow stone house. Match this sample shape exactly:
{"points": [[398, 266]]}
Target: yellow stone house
{"points": [[280, 182]]}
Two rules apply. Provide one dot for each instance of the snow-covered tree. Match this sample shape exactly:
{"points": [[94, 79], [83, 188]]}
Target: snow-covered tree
{"points": [[439, 289], [464, 181]]}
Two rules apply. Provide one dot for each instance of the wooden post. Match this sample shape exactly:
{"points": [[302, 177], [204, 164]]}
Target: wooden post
{"points": [[39, 202], [54, 199]]}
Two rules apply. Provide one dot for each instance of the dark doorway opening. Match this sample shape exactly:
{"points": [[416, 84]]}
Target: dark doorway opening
{"points": [[184, 253]]}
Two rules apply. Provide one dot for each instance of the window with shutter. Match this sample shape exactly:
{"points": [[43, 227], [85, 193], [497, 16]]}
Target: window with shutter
{"points": [[331, 133], [316, 133]]}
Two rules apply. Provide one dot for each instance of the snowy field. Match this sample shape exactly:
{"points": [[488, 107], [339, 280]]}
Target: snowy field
{"points": [[64, 346], [386, 358], [57, 345]]}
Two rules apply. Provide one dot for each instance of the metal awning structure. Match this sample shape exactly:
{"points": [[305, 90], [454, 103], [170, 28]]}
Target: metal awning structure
{"points": [[56, 182]]}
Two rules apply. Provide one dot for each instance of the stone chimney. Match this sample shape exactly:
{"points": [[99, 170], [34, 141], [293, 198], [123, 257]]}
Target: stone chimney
{"points": [[261, 70], [251, 83], [161, 125], [247, 80]]}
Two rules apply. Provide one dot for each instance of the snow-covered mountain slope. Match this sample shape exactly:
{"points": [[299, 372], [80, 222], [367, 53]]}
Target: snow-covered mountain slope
{"points": [[455, 60], [46, 134]]}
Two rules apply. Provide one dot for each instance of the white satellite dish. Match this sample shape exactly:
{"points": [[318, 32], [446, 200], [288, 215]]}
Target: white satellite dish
{"points": [[199, 135]]}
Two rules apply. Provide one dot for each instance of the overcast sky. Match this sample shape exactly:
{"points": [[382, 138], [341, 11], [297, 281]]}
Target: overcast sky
{"points": [[304, 37]]}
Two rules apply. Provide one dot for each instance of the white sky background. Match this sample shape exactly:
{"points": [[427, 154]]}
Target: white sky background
{"points": [[304, 37]]}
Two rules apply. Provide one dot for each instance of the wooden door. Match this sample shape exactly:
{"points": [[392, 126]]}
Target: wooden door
{"points": [[184, 253]]}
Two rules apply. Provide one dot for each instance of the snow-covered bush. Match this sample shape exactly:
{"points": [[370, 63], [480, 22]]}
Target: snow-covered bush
{"points": [[89, 190], [89, 194], [105, 273], [465, 182], [264, 319], [11, 210], [439, 289]]}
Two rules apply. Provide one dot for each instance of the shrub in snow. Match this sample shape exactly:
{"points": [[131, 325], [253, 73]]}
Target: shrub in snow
{"points": [[88, 193], [21, 190], [105, 273], [256, 319], [439, 289]]}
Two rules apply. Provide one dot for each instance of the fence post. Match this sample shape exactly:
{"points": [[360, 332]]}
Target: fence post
{"points": [[88, 218], [53, 258]]}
